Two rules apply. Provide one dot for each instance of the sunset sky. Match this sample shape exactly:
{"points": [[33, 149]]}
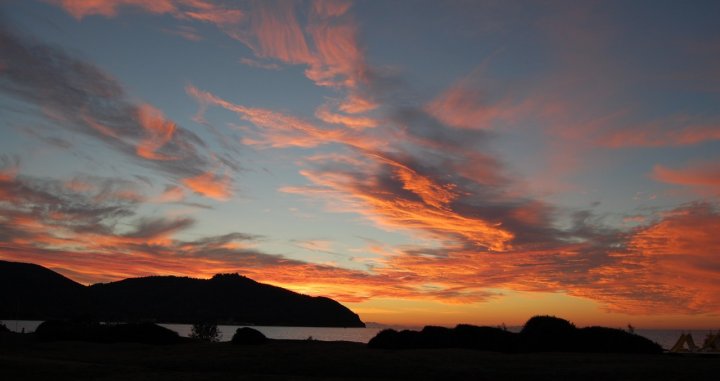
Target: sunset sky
{"points": [[422, 162]]}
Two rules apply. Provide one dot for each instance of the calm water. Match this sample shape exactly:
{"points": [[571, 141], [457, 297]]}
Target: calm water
{"points": [[362, 335], [664, 337]]}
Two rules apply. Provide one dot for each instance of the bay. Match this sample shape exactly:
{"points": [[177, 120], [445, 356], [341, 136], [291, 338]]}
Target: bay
{"points": [[665, 337]]}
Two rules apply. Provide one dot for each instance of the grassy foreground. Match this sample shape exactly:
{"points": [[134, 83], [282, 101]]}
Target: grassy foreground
{"points": [[22, 357]]}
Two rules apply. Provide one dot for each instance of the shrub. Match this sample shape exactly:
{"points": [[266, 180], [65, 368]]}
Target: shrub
{"points": [[3, 328], [548, 334], [610, 340], [248, 336], [392, 339], [485, 338], [387, 339], [206, 332]]}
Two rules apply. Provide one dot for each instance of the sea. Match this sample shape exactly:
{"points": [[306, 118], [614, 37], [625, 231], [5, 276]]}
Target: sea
{"points": [[665, 337]]}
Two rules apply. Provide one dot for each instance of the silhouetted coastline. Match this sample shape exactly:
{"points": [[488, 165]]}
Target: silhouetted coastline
{"points": [[41, 294]]}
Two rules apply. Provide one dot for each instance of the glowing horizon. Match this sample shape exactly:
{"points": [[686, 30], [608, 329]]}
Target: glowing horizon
{"points": [[433, 163]]}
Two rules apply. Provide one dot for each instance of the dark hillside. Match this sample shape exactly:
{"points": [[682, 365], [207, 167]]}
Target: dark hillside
{"points": [[228, 298], [30, 291]]}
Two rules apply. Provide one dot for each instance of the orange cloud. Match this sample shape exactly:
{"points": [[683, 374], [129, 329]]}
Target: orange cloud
{"points": [[171, 194], [705, 174], [676, 131], [8, 170], [105, 189], [83, 243], [667, 266], [101, 128], [272, 30], [7, 176], [281, 130], [339, 58], [365, 194], [158, 130], [331, 8], [200, 10], [77, 185], [83, 100], [276, 33], [679, 254], [357, 104], [330, 50], [210, 185], [210, 12], [109, 8], [323, 113], [462, 106], [433, 194]]}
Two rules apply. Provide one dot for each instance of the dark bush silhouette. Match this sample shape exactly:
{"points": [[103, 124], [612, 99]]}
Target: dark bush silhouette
{"points": [[248, 336], [206, 332], [437, 337], [485, 338], [54, 330], [610, 340], [3, 328], [547, 334], [387, 339], [540, 334], [392, 339], [462, 336]]}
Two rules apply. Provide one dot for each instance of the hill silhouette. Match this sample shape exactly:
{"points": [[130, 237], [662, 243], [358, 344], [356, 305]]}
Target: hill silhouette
{"points": [[29, 291]]}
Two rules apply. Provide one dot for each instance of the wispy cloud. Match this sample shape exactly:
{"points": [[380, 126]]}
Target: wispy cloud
{"points": [[680, 130], [185, 31], [200, 10], [209, 184], [701, 175], [82, 232], [328, 45], [80, 9], [427, 168], [79, 97]]}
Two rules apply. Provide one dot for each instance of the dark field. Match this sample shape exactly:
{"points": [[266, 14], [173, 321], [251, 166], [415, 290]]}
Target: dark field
{"points": [[22, 357]]}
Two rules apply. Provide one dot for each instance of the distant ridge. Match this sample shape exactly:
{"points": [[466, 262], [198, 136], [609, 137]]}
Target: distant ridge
{"points": [[33, 292]]}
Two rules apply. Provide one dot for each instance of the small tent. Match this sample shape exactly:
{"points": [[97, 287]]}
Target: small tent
{"points": [[685, 343]]}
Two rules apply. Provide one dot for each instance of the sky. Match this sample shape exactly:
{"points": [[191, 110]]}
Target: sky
{"points": [[421, 162]]}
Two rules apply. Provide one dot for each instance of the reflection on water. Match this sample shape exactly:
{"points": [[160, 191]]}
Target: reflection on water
{"points": [[26, 326], [362, 335], [665, 337]]}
